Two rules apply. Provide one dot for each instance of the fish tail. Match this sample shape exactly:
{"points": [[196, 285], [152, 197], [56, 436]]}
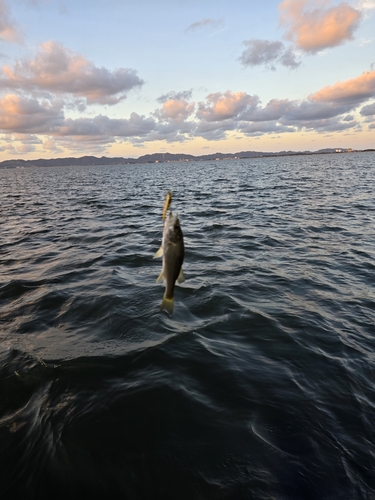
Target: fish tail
{"points": [[167, 304]]}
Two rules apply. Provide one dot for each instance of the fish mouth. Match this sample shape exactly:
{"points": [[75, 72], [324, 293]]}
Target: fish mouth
{"points": [[173, 219]]}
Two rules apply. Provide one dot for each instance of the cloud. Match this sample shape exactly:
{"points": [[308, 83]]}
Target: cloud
{"points": [[176, 110], [27, 138], [7, 147], [168, 131], [175, 107], [172, 118], [19, 144], [309, 110], [76, 145], [273, 111], [330, 109], [184, 94], [314, 26], [221, 106], [366, 4], [8, 29], [215, 23], [353, 92], [328, 125], [62, 71], [268, 127], [288, 58], [214, 131], [265, 52], [26, 115], [105, 128], [229, 111], [51, 146], [368, 110], [25, 148], [21, 115]]}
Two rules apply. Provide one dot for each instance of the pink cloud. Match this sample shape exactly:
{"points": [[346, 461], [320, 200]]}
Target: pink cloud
{"points": [[23, 115], [25, 148], [313, 26], [51, 146], [60, 70], [329, 109], [177, 110], [222, 106], [355, 90]]}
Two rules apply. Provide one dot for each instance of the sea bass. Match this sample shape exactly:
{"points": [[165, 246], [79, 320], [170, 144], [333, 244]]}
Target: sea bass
{"points": [[172, 251]]}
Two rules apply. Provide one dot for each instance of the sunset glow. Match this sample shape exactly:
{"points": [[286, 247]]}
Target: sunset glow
{"points": [[119, 81]]}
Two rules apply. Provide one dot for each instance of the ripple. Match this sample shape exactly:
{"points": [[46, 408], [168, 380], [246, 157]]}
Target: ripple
{"points": [[259, 385]]}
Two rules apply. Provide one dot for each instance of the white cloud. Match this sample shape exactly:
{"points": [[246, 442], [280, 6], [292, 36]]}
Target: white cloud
{"points": [[365, 4]]}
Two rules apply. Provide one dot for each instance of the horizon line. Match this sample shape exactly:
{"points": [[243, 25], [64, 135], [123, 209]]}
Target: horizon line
{"points": [[201, 156]]}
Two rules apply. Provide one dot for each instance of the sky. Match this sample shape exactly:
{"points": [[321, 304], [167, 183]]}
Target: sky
{"points": [[126, 78]]}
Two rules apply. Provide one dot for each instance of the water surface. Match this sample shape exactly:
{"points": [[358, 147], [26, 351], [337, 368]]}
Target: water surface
{"points": [[261, 384]]}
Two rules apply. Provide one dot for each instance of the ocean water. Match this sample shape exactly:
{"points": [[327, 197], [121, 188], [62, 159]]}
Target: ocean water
{"points": [[261, 385]]}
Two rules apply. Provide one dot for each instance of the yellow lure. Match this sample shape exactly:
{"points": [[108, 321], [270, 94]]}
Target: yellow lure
{"points": [[167, 202]]}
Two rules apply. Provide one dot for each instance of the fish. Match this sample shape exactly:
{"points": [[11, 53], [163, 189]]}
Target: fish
{"points": [[172, 250], [167, 202]]}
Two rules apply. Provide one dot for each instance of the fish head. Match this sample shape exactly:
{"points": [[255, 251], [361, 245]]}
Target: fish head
{"points": [[172, 228]]}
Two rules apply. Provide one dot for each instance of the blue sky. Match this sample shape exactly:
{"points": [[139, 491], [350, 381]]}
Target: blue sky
{"points": [[124, 78]]}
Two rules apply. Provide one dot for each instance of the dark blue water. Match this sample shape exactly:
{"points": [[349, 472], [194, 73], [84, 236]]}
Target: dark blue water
{"points": [[261, 384]]}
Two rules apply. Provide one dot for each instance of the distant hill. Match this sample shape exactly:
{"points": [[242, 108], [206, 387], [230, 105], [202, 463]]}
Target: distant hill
{"points": [[155, 158], [61, 162]]}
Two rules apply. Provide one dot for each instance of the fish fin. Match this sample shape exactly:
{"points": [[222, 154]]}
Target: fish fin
{"points": [[181, 277], [159, 253], [167, 304], [161, 277]]}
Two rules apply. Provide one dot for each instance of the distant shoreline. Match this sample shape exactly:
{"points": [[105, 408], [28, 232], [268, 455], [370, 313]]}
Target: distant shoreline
{"points": [[164, 158]]}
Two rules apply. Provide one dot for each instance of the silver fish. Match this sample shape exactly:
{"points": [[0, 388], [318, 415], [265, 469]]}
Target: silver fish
{"points": [[172, 250]]}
